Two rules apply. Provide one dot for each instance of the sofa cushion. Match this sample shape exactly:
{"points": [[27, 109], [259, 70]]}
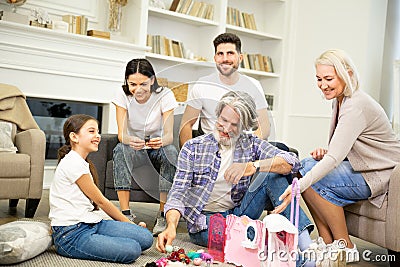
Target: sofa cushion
{"points": [[18, 165], [23, 240], [7, 136], [366, 209]]}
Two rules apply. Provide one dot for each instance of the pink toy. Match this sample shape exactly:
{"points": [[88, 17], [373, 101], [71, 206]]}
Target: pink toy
{"points": [[243, 240], [162, 262], [197, 261], [216, 237], [281, 236], [273, 242]]}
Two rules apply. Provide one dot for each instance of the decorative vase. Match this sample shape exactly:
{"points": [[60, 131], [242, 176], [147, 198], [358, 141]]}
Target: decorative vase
{"points": [[114, 16], [15, 3]]}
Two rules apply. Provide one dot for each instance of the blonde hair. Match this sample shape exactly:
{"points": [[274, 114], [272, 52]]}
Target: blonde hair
{"points": [[344, 67]]}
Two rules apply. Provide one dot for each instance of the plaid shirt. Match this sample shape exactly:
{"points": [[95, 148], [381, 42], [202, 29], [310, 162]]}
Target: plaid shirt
{"points": [[197, 171]]}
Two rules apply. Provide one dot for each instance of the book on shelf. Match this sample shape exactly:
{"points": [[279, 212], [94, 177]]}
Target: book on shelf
{"points": [[185, 6], [210, 12], [165, 46], [177, 49], [237, 18], [257, 62], [174, 5], [245, 62], [202, 10], [98, 34], [193, 8], [76, 24]]}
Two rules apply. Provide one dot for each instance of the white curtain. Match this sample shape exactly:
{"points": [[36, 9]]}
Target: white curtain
{"points": [[396, 99]]}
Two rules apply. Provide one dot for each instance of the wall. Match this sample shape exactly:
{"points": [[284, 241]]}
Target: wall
{"points": [[391, 53], [356, 26]]}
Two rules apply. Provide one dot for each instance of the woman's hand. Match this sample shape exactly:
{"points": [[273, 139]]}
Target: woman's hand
{"points": [[155, 143], [287, 198], [318, 153], [136, 143]]}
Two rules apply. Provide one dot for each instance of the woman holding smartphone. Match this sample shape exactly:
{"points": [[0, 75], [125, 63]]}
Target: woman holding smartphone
{"points": [[145, 119]]}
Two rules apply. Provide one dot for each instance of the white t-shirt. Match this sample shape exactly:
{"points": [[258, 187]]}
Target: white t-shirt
{"points": [[147, 118], [68, 204], [205, 93], [220, 198]]}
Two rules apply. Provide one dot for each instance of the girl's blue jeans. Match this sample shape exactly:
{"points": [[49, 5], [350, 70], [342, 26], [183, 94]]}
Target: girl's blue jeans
{"points": [[107, 240]]}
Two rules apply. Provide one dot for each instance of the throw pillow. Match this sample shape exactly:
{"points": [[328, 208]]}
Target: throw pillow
{"points": [[6, 137], [23, 240]]}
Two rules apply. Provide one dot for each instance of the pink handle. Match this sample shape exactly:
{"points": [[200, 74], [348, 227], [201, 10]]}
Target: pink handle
{"points": [[295, 191]]}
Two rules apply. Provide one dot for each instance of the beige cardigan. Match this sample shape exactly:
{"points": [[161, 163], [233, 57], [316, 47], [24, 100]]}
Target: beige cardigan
{"points": [[363, 135], [13, 108]]}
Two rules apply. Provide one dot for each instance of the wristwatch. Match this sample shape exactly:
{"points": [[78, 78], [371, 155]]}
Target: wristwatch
{"points": [[256, 165]]}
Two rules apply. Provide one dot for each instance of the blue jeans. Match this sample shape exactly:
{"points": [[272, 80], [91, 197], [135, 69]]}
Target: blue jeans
{"points": [[107, 240], [254, 202], [342, 186], [126, 159]]}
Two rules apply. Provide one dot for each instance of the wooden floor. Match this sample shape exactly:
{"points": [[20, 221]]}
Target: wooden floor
{"points": [[147, 212]]}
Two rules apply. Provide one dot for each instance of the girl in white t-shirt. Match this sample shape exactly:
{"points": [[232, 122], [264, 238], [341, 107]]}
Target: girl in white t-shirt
{"points": [[144, 109], [79, 232]]}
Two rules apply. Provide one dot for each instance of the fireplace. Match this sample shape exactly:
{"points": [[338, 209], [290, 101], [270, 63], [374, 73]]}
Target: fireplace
{"points": [[50, 115]]}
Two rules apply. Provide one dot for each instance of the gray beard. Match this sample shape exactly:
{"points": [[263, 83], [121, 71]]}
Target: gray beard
{"points": [[231, 142]]}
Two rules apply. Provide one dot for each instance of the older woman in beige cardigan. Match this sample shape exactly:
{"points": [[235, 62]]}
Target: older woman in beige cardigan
{"points": [[362, 152]]}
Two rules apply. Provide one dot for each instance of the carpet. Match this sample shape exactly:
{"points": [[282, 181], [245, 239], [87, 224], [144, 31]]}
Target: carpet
{"points": [[51, 258]]}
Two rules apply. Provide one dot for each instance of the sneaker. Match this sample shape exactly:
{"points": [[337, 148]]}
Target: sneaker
{"points": [[160, 225], [352, 254], [131, 216]]}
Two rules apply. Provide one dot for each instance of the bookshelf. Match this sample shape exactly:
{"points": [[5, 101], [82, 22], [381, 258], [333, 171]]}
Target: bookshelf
{"points": [[197, 33]]}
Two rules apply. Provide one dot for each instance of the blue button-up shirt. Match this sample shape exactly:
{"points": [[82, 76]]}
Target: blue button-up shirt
{"points": [[198, 165]]}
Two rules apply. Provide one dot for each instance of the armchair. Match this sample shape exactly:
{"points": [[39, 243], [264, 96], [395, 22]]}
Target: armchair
{"points": [[21, 173], [378, 226]]}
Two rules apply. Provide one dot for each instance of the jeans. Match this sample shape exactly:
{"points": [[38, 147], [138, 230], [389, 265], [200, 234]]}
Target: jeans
{"points": [[342, 186], [255, 201], [107, 240], [126, 159]]}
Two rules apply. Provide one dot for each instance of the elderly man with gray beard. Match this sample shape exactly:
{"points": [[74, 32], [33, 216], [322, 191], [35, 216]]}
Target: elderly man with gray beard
{"points": [[214, 175]]}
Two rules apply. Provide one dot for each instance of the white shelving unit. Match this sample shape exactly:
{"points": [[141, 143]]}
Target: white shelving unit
{"points": [[197, 35]]}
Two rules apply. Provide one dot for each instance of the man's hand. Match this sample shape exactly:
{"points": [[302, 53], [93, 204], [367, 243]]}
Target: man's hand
{"points": [[237, 170], [286, 197], [166, 238]]}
